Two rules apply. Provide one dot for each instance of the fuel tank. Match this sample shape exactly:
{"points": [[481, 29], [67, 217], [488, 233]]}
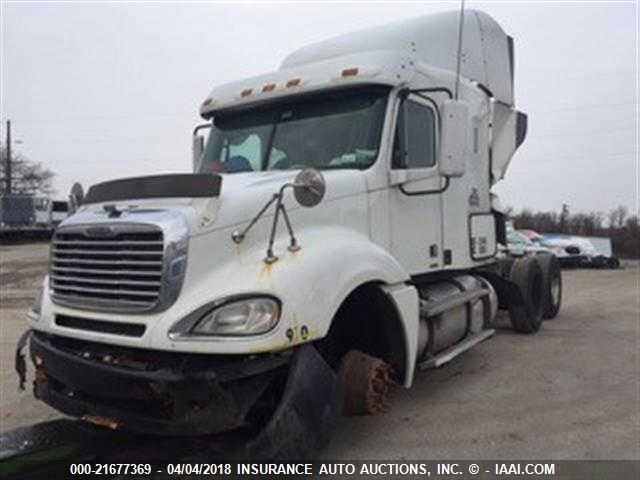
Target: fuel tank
{"points": [[453, 309]]}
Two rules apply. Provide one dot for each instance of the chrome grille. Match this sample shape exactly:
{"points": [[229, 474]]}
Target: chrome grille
{"points": [[116, 267]]}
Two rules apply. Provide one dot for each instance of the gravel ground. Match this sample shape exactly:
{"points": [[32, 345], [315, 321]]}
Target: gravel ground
{"points": [[570, 392]]}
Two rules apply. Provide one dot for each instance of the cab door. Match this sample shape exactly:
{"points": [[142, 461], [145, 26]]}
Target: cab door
{"points": [[415, 199]]}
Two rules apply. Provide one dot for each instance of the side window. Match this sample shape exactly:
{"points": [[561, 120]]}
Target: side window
{"points": [[414, 145]]}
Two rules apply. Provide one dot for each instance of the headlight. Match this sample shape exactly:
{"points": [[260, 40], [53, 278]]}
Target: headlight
{"points": [[249, 316]]}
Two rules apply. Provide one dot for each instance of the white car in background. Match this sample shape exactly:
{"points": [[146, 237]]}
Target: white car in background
{"points": [[59, 211], [576, 251], [41, 206], [520, 244], [568, 251]]}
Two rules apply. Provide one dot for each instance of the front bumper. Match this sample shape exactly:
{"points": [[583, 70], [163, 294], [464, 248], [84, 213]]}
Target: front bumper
{"points": [[150, 391]]}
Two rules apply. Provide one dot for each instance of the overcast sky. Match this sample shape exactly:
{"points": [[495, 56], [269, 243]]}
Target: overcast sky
{"points": [[103, 90]]}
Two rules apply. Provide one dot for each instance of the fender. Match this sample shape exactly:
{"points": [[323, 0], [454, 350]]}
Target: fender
{"points": [[311, 284], [405, 298]]}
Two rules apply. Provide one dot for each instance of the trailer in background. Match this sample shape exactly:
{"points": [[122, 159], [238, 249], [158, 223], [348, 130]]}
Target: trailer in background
{"points": [[579, 251], [27, 216], [17, 211]]}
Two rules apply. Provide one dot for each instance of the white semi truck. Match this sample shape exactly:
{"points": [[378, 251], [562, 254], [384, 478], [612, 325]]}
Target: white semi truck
{"points": [[337, 235]]}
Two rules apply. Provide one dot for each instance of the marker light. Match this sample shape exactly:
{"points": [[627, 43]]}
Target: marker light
{"points": [[350, 72]]}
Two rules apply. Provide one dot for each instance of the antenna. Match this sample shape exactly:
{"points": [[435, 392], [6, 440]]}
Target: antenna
{"points": [[460, 27]]}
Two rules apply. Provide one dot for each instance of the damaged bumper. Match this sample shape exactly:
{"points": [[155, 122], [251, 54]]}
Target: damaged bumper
{"points": [[148, 391], [295, 398]]}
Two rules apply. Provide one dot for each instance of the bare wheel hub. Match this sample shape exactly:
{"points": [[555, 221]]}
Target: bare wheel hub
{"points": [[367, 383]]}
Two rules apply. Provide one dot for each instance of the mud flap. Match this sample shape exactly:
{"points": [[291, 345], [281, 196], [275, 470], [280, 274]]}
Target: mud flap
{"points": [[309, 410], [20, 363]]}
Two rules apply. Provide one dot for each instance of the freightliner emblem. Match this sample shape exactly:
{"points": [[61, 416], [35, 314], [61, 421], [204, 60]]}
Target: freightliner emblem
{"points": [[99, 232]]}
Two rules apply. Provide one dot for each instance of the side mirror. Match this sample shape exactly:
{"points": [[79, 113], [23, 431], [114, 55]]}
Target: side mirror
{"points": [[454, 139], [76, 197], [197, 150], [309, 187]]}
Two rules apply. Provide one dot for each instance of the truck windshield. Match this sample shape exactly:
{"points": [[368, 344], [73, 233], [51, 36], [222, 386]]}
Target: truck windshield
{"points": [[336, 130]]}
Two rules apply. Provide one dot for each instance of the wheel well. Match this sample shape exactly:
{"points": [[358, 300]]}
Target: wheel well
{"points": [[367, 320]]}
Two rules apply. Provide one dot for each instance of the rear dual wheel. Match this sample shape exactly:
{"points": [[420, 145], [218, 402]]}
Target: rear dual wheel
{"points": [[526, 314], [539, 280], [552, 285]]}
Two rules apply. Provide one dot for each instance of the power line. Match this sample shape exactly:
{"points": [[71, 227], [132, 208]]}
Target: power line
{"points": [[589, 133], [603, 157], [631, 103], [107, 117]]}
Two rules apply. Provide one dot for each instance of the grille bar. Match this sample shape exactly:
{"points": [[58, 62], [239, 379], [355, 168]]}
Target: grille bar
{"points": [[69, 251], [85, 261], [112, 267], [102, 281], [89, 271], [110, 242], [105, 302], [108, 291]]}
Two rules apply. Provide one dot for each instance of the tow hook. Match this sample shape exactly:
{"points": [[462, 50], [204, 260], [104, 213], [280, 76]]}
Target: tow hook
{"points": [[20, 363]]}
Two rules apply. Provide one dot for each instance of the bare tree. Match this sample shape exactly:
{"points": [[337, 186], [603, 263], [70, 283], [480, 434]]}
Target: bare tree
{"points": [[618, 216], [564, 218], [28, 177], [623, 228]]}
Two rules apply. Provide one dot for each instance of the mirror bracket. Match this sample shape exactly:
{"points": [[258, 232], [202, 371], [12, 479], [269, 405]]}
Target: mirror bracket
{"points": [[397, 176], [308, 188]]}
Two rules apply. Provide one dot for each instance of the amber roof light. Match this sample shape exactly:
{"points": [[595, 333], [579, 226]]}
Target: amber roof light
{"points": [[350, 72]]}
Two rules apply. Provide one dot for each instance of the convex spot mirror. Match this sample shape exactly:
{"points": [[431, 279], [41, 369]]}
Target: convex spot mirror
{"points": [[454, 139], [197, 150], [76, 197], [197, 145], [309, 187]]}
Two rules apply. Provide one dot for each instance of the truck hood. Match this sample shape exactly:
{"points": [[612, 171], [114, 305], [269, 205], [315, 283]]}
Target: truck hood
{"points": [[240, 198], [244, 194]]}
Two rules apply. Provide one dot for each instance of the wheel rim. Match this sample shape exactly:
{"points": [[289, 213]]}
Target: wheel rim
{"points": [[367, 381]]}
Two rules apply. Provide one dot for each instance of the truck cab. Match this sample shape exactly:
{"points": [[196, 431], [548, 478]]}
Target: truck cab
{"points": [[337, 234]]}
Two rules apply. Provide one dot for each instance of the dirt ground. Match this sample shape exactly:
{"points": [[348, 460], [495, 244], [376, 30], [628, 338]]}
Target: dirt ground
{"points": [[570, 392]]}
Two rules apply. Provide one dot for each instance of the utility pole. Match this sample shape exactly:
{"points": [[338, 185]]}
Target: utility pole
{"points": [[7, 170]]}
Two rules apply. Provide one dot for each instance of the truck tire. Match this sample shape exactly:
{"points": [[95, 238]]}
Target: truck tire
{"points": [[552, 285], [526, 316]]}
